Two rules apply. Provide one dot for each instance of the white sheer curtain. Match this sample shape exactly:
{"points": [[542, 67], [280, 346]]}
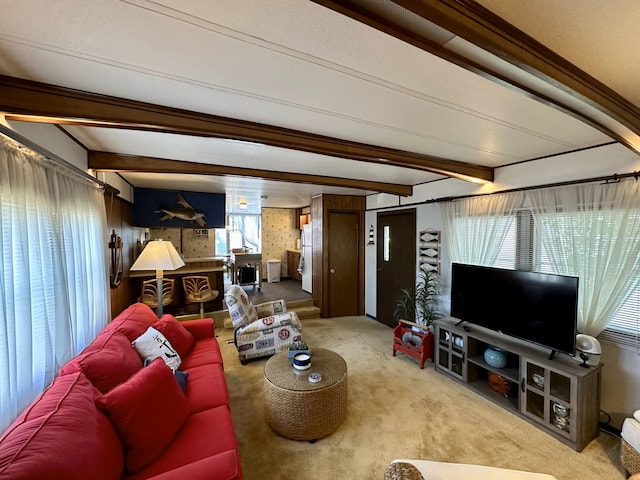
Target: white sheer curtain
{"points": [[592, 231], [249, 227], [53, 288], [476, 227]]}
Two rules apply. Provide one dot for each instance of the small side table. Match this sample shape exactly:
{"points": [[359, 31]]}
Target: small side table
{"points": [[301, 410]]}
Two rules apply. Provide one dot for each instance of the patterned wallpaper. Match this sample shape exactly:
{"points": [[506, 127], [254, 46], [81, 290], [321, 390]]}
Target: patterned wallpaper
{"points": [[167, 234], [279, 233], [193, 245], [196, 245]]}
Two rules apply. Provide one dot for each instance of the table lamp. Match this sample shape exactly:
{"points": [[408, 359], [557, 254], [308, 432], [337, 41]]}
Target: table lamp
{"points": [[158, 256]]}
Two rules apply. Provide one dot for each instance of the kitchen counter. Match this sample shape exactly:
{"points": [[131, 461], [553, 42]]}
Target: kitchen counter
{"points": [[205, 259], [181, 271], [293, 260]]}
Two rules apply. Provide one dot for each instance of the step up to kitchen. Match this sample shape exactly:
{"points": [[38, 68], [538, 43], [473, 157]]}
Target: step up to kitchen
{"points": [[304, 309]]}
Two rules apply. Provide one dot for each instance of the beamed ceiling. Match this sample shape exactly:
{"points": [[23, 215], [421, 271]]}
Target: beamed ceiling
{"points": [[277, 101]]}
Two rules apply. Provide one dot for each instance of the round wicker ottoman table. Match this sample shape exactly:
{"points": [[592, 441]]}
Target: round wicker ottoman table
{"points": [[299, 409]]}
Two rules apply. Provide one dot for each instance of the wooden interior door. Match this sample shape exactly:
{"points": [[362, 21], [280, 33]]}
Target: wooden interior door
{"points": [[396, 260], [343, 281]]}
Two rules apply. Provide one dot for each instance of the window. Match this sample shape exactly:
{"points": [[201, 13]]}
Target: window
{"points": [[624, 327], [517, 250], [54, 297], [522, 250], [244, 230], [220, 242]]}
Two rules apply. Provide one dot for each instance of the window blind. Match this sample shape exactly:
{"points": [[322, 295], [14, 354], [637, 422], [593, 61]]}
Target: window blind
{"points": [[624, 328]]}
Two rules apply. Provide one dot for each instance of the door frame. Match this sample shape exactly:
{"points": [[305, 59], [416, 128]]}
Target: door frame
{"points": [[321, 206], [390, 213], [359, 262]]}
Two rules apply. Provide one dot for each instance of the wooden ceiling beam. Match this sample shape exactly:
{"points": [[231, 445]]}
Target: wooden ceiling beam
{"points": [[35, 101], [104, 161], [481, 27]]}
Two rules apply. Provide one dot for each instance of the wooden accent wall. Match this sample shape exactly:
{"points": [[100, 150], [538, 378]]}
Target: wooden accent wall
{"points": [[120, 219], [321, 208]]}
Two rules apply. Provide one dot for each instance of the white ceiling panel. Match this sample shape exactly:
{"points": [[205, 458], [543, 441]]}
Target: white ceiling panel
{"points": [[233, 153], [298, 65]]}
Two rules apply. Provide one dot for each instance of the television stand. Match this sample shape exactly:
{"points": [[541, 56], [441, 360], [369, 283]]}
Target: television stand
{"points": [[551, 392]]}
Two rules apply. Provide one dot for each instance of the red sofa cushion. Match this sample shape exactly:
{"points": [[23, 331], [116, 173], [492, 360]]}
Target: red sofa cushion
{"points": [[205, 444], [108, 366], [134, 320], [62, 436], [206, 387], [204, 352], [146, 411], [179, 337], [200, 328], [222, 466]]}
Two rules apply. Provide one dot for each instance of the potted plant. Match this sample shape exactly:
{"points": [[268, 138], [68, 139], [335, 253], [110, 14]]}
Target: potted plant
{"points": [[416, 309], [420, 304], [298, 347], [428, 288]]}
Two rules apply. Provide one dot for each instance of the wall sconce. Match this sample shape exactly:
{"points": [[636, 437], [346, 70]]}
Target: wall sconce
{"points": [[242, 204], [371, 241]]}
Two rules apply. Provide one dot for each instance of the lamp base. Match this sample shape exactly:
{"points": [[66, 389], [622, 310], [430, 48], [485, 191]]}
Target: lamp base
{"points": [[159, 289]]}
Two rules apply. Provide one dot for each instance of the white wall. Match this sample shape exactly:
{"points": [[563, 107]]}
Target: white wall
{"points": [[621, 372], [53, 139], [56, 141]]}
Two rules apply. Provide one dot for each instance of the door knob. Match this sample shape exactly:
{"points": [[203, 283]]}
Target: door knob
{"points": [[333, 270]]}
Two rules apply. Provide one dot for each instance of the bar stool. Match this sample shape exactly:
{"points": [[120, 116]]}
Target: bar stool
{"points": [[150, 292], [197, 289]]}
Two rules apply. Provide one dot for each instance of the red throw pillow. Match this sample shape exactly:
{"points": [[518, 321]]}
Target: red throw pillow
{"points": [[62, 435], [179, 337], [109, 366], [134, 320], [146, 412]]}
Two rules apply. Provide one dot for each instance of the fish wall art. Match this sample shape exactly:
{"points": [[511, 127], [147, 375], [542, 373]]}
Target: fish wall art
{"points": [[172, 208]]}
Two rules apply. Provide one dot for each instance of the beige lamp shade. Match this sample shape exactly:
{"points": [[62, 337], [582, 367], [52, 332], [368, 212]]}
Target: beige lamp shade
{"points": [[158, 256]]}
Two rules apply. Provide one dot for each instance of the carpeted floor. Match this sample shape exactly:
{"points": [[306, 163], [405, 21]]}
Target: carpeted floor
{"points": [[397, 410]]}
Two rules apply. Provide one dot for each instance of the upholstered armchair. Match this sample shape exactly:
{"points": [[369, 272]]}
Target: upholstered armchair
{"points": [[261, 330]]}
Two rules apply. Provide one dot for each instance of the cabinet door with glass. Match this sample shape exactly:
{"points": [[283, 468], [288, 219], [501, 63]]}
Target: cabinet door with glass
{"points": [[549, 397], [451, 352]]}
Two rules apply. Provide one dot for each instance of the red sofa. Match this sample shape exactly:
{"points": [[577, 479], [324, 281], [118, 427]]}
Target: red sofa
{"points": [[105, 416]]}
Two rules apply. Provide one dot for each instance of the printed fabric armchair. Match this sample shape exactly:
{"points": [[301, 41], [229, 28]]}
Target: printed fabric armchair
{"points": [[261, 330]]}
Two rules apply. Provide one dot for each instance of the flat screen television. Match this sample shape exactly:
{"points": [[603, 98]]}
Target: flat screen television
{"points": [[538, 307]]}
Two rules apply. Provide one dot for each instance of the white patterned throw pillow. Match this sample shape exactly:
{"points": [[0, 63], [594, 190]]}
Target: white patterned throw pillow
{"points": [[152, 344]]}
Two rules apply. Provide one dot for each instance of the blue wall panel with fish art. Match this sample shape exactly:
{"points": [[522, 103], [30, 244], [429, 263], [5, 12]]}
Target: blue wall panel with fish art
{"points": [[173, 208]]}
